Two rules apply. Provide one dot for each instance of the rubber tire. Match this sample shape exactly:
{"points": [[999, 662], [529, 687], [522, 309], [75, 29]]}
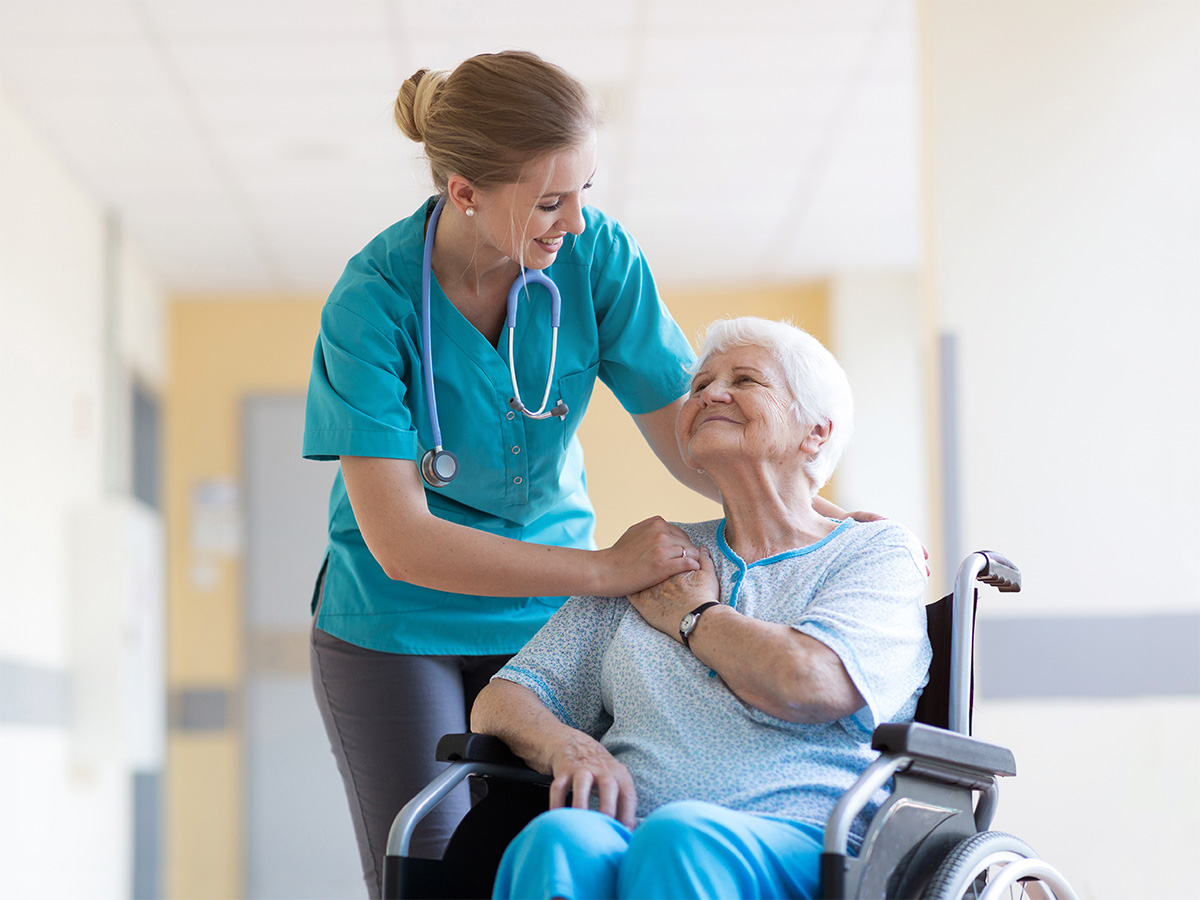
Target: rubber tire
{"points": [[954, 878]]}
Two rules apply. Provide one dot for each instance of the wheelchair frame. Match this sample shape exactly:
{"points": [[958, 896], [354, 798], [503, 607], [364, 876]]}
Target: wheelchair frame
{"points": [[929, 840]]}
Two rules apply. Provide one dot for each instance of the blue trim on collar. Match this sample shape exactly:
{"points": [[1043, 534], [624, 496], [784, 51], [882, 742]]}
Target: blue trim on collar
{"points": [[733, 558], [779, 557]]}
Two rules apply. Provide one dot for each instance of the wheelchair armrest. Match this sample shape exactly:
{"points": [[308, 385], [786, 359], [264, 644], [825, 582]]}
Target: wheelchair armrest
{"points": [[468, 755], [472, 747], [924, 743]]}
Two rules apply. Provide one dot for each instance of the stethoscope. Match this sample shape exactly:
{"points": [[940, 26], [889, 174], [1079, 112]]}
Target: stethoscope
{"points": [[439, 466]]}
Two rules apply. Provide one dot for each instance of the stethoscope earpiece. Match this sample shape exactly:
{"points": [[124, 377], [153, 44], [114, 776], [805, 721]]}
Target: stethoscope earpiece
{"points": [[438, 466]]}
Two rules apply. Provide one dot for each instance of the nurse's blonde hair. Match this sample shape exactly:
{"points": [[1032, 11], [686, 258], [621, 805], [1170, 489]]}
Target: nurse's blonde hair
{"points": [[493, 115]]}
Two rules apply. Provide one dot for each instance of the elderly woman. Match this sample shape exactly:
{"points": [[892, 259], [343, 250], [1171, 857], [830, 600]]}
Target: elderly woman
{"points": [[705, 727]]}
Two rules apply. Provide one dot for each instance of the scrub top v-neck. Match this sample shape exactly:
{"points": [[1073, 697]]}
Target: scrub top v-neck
{"points": [[519, 478]]}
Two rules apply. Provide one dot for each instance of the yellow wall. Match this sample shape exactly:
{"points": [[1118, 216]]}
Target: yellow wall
{"points": [[223, 349]]}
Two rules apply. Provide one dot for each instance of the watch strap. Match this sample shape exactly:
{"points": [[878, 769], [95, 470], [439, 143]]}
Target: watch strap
{"points": [[693, 617]]}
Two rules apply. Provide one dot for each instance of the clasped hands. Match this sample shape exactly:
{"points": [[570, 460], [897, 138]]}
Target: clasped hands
{"points": [[664, 605]]}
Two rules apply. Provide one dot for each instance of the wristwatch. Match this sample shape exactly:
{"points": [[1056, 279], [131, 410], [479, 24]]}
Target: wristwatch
{"points": [[688, 624]]}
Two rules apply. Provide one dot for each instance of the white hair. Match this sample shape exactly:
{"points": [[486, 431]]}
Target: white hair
{"points": [[819, 386]]}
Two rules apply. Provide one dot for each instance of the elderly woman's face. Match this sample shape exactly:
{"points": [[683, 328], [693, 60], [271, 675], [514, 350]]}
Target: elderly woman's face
{"points": [[739, 408]]}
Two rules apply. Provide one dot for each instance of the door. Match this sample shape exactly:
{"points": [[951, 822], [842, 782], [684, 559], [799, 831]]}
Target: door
{"points": [[300, 842]]}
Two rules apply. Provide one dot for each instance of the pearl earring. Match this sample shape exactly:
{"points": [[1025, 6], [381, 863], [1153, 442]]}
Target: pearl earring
{"points": [[470, 211]]}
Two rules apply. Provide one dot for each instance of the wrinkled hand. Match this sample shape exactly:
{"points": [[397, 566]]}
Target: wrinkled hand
{"points": [[645, 554], [582, 765], [663, 605]]}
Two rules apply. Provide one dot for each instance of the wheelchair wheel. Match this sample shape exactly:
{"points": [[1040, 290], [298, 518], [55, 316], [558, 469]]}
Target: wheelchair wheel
{"points": [[994, 865]]}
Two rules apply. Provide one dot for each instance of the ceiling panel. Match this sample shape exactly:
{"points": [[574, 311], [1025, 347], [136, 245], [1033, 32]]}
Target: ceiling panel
{"points": [[769, 16], [118, 68], [291, 66], [219, 251], [65, 22], [256, 107], [526, 21], [265, 21], [767, 61], [250, 144]]}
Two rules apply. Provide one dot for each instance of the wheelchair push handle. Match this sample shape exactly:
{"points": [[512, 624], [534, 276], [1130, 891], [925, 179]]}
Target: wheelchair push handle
{"points": [[991, 568], [1000, 572]]}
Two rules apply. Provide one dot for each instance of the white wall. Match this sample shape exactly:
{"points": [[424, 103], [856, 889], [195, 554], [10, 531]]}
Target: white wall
{"points": [[66, 826], [877, 338], [1065, 195], [1064, 248]]}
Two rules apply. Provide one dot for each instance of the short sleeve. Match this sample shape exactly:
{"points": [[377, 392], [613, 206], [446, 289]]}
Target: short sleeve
{"points": [[870, 611], [561, 663], [356, 403], [644, 356]]}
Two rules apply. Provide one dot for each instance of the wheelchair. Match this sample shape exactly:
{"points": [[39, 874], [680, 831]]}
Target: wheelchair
{"points": [[929, 840]]}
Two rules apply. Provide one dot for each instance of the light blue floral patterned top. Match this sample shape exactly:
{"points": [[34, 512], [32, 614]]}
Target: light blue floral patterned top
{"points": [[683, 734]]}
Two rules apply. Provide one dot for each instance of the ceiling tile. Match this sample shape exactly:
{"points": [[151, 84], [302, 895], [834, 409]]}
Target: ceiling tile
{"points": [[769, 16], [66, 22], [328, 109], [519, 17], [296, 66], [115, 67], [862, 215], [266, 21], [893, 55], [755, 61], [215, 250], [250, 142]]}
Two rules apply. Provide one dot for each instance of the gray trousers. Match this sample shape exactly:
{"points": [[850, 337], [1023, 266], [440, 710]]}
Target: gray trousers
{"points": [[384, 714]]}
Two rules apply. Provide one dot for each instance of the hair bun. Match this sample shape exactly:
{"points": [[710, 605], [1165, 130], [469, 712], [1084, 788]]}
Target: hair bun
{"points": [[415, 99]]}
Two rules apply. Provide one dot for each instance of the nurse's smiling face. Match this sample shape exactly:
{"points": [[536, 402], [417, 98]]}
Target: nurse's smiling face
{"points": [[527, 221]]}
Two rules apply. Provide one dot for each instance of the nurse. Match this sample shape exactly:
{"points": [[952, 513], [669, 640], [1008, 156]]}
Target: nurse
{"points": [[427, 591]]}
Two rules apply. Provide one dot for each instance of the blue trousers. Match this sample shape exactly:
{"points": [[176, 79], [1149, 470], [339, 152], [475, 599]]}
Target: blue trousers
{"points": [[686, 849]]}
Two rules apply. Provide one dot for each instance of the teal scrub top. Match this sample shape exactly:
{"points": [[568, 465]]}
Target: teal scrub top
{"points": [[518, 477]]}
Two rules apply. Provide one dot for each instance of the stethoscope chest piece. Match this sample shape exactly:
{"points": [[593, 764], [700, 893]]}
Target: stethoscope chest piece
{"points": [[438, 467]]}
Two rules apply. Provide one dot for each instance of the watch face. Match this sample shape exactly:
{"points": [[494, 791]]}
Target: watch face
{"points": [[688, 622]]}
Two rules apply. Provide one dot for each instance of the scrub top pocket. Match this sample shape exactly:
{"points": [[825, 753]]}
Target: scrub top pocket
{"points": [[576, 391]]}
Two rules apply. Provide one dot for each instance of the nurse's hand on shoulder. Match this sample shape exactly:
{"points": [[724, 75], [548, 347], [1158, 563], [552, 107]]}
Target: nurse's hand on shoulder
{"points": [[647, 553], [581, 765]]}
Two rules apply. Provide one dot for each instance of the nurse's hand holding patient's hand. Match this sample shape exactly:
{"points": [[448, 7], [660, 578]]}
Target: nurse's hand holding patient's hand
{"points": [[664, 605], [647, 553]]}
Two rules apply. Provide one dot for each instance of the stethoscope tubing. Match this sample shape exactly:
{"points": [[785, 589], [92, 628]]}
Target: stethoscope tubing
{"points": [[434, 460], [522, 282], [426, 342]]}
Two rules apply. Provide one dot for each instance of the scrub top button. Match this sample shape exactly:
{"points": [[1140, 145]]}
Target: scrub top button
{"points": [[517, 480], [516, 449], [510, 415]]}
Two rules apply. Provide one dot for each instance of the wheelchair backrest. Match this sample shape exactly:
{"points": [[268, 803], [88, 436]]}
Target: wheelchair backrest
{"points": [[933, 707]]}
